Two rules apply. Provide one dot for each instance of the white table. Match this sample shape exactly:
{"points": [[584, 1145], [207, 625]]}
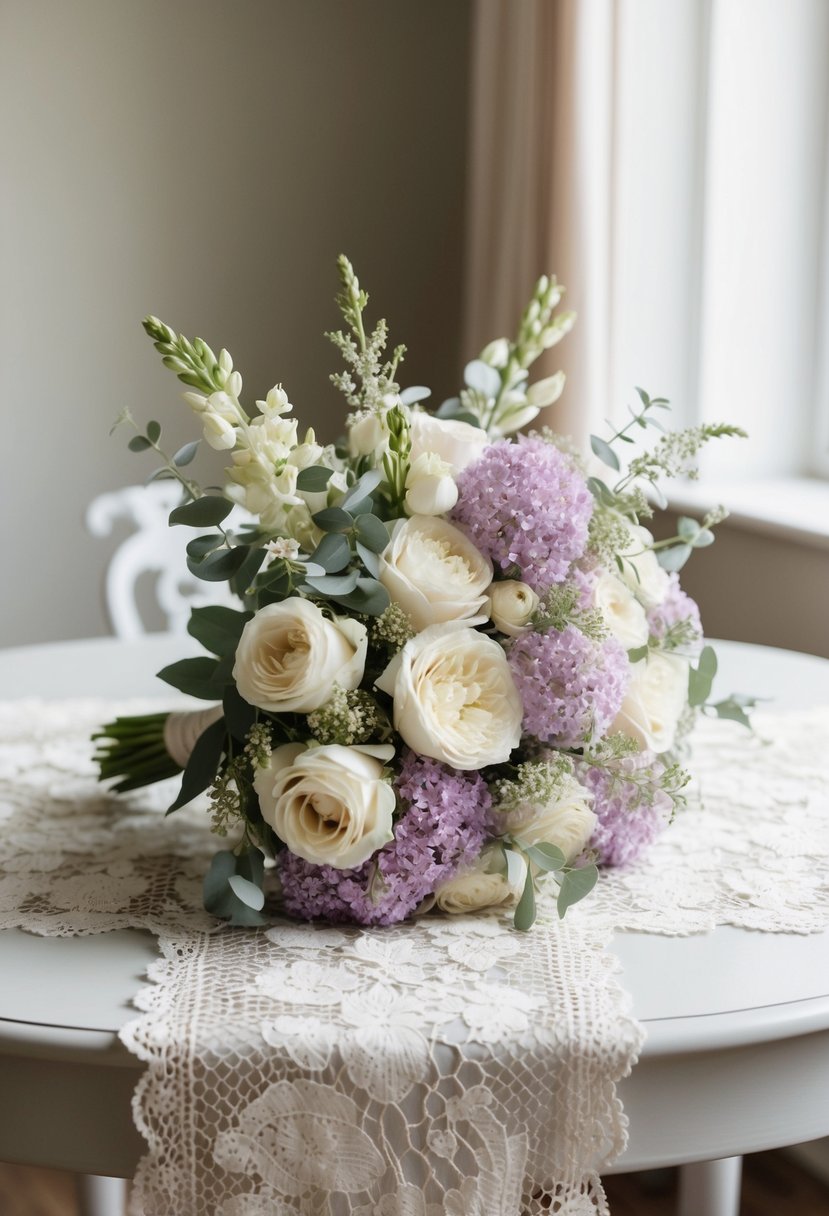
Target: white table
{"points": [[737, 1054]]}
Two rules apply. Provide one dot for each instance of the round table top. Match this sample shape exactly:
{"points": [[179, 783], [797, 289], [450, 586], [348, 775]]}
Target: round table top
{"points": [[64, 999]]}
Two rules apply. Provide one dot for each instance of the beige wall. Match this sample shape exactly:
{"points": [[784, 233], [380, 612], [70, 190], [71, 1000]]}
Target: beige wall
{"points": [[205, 160], [759, 588]]}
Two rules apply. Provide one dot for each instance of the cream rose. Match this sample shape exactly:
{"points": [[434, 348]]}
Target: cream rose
{"points": [[623, 614], [291, 655], [430, 486], [458, 443], [654, 702], [454, 697], [566, 821], [474, 889], [641, 570], [511, 605], [330, 805], [434, 572]]}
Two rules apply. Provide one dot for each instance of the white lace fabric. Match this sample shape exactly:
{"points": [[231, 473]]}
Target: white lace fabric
{"points": [[446, 1066]]}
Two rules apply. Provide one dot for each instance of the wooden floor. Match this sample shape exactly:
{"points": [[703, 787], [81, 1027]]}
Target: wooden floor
{"points": [[772, 1186]]}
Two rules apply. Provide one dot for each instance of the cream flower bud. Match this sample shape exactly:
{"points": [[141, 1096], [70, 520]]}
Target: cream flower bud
{"points": [[545, 392], [434, 572], [511, 606], [275, 403], [368, 435], [330, 805], [496, 353], [641, 569], [430, 486], [291, 655], [623, 614], [655, 701], [218, 432], [476, 889]]}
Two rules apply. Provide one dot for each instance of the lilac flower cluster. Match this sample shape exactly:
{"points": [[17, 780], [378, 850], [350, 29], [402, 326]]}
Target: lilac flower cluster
{"points": [[571, 686], [443, 828], [525, 504], [676, 608], [630, 804]]}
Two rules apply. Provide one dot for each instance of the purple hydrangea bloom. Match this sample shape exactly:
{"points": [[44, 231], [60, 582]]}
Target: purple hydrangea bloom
{"points": [[675, 607], [525, 504], [442, 829], [571, 686], [630, 812]]}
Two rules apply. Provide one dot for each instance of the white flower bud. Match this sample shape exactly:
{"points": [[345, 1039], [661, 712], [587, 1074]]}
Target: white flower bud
{"points": [[546, 391], [275, 403], [496, 353], [219, 433], [430, 486], [511, 606]]}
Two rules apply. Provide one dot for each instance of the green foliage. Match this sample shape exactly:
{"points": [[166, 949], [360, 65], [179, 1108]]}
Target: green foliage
{"points": [[233, 887], [218, 628], [701, 677], [204, 512], [203, 764], [200, 677], [367, 379]]}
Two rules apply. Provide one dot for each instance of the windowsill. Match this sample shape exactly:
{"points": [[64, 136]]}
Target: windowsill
{"points": [[793, 508]]}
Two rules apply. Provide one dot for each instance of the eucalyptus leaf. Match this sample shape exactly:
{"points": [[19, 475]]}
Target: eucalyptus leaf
{"points": [[574, 886], [704, 538], [601, 492], [369, 559], [185, 454], [247, 572], [515, 867], [204, 512], [218, 628], [674, 558], [247, 891], [219, 566], [369, 597], [525, 912], [482, 378], [153, 431], [372, 532], [546, 856], [200, 546], [334, 519], [638, 653], [139, 443], [195, 677], [362, 488], [449, 408], [417, 392], [701, 677], [604, 451], [332, 553], [162, 474], [215, 883], [314, 479], [203, 764], [334, 584], [687, 528], [733, 712]]}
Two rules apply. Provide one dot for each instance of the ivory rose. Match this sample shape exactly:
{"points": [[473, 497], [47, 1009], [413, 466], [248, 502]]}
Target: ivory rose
{"points": [[434, 572], [454, 697], [566, 821], [458, 443], [475, 889], [623, 614], [655, 700], [291, 655], [511, 606], [330, 805]]}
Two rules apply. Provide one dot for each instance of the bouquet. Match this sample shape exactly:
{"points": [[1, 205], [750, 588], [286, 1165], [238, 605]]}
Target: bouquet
{"points": [[459, 662]]}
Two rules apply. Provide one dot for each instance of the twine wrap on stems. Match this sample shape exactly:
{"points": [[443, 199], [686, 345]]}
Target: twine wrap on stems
{"points": [[181, 731]]}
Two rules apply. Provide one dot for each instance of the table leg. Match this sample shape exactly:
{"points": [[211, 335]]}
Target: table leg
{"points": [[710, 1188], [99, 1196]]}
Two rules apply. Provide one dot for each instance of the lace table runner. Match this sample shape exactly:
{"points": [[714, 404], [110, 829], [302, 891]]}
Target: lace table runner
{"points": [[446, 1066]]}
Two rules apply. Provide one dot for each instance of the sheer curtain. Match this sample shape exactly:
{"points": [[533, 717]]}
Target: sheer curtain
{"points": [[668, 162]]}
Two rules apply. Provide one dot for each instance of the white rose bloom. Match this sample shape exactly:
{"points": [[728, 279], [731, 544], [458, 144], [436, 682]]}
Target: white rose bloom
{"points": [[566, 821], [511, 606], [430, 486], [623, 614], [434, 572], [291, 655], [454, 697], [475, 889], [330, 805], [655, 700], [368, 435], [458, 443], [647, 580]]}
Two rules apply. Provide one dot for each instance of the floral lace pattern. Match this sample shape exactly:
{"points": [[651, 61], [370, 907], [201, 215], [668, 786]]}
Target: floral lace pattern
{"points": [[445, 1066]]}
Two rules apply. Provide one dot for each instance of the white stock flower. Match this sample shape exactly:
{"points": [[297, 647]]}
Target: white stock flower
{"points": [[454, 697], [434, 572], [276, 402], [514, 411], [654, 702], [330, 805], [219, 433], [458, 443], [430, 486], [511, 606], [566, 821], [496, 353], [642, 572], [368, 435], [545, 392], [623, 614], [476, 889], [291, 655]]}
